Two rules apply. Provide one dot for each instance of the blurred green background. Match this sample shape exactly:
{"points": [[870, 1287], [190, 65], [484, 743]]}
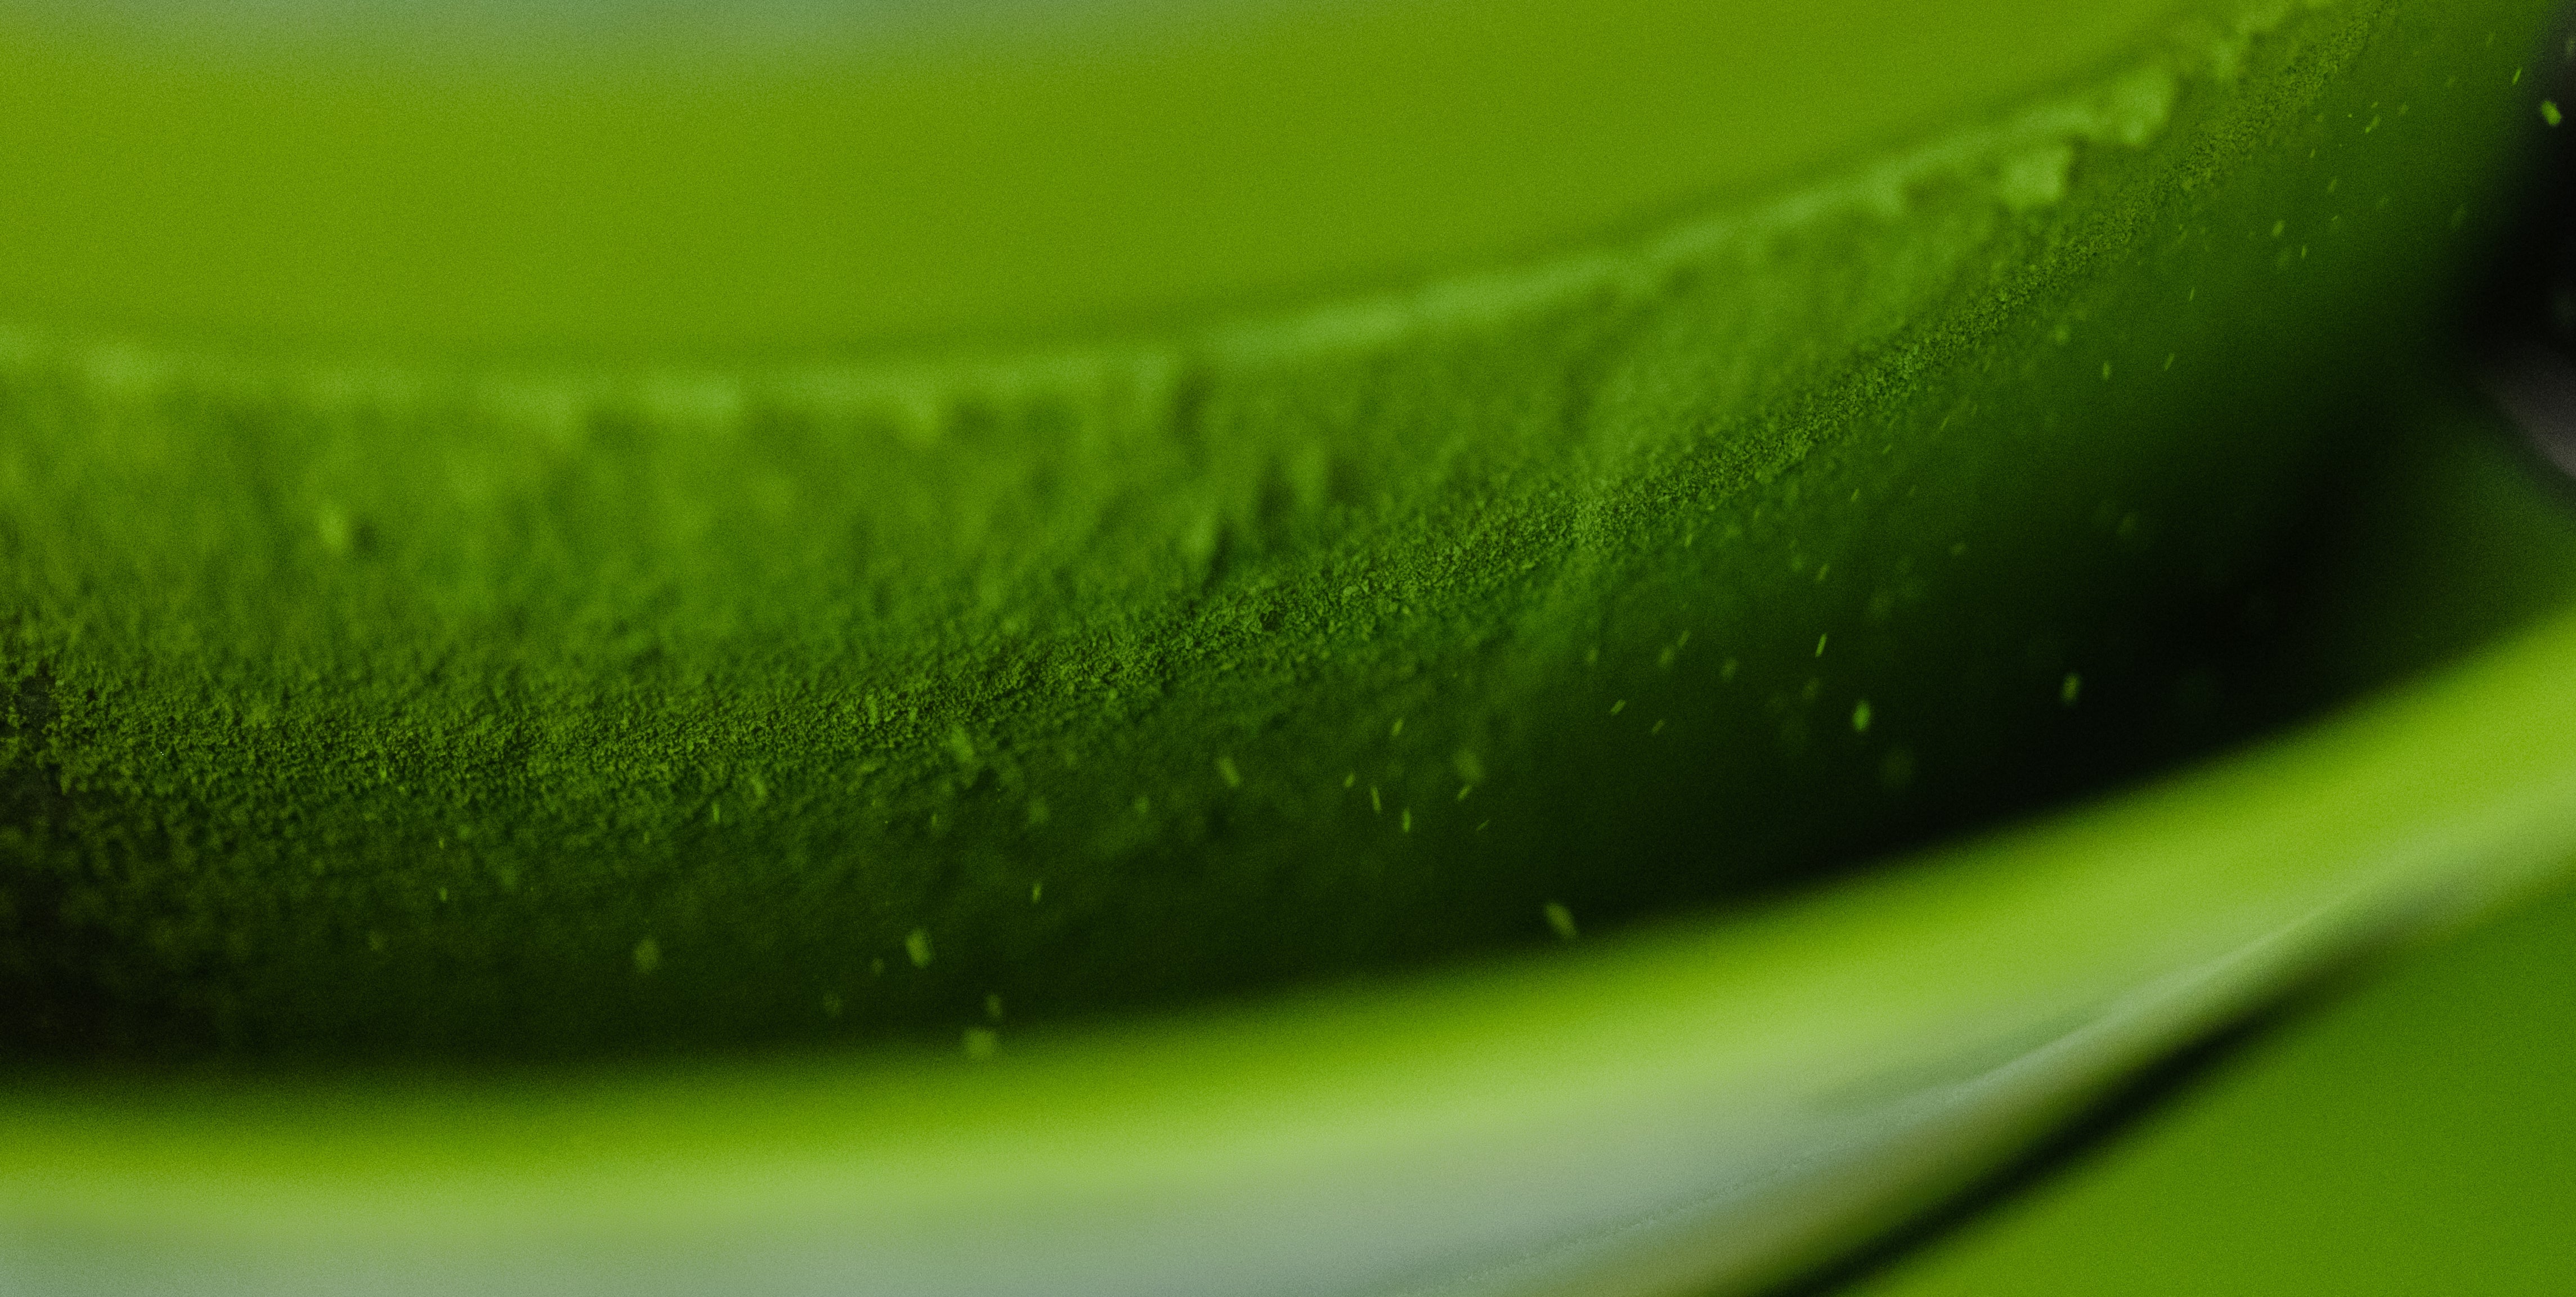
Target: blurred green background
{"points": [[692, 183]]}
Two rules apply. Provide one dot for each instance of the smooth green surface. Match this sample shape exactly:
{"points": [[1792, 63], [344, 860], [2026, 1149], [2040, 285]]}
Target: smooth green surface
{"points": [[385, 710], [2415, 1137], [681, 186]]}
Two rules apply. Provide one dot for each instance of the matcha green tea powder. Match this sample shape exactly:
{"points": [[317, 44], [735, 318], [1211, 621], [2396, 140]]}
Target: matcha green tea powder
{"points": [[622, 532]]}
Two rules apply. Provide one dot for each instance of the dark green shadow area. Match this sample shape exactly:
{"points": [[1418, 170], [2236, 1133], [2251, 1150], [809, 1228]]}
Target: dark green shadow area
{"points": [[2438, 541], [2400, 1127]]}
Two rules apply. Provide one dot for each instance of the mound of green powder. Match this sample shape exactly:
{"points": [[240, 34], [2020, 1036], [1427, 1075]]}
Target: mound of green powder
{"points": [[356, 701]]}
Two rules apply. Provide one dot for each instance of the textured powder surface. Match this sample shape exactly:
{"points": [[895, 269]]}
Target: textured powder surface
{"points": [[379, 710]]}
